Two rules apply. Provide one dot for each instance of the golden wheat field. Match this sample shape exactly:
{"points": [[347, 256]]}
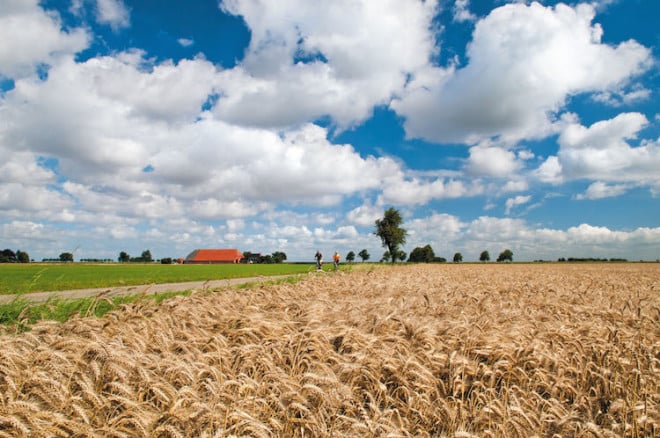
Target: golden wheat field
{"points": [[492, 350]]}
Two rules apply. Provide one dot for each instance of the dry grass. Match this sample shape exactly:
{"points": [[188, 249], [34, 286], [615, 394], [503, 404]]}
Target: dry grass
{"points": [[445, 350]]}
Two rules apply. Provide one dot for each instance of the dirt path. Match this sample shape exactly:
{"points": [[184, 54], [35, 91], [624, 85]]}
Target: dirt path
{"points": [[147, 289]]}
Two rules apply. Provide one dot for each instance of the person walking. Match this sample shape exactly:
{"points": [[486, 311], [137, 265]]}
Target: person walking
{"points": [[319, 260], [335, 259]]}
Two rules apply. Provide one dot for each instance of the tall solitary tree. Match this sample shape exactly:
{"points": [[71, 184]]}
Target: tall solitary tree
{"points": [[364, 255], [484, 257], [350, 256], [390, 232]]}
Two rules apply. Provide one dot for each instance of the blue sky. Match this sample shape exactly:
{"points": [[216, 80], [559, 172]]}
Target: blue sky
{"points": [[292, 125]]}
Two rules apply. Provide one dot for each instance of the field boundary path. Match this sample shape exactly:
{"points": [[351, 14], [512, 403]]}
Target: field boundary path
{"points": [[146, 289]]}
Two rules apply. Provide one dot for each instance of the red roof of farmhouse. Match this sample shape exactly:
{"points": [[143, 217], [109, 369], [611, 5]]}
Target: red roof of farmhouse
{"points": [[214, 256]]}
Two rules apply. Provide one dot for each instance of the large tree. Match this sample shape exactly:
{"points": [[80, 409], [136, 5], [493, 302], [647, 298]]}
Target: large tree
{"points": [[484, 257], [390, 232], [350, 256], [364, 255]]}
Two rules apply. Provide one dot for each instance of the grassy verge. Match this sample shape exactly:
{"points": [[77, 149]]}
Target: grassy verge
{"points": [[41, 277], [20, 314], [23, 313]]}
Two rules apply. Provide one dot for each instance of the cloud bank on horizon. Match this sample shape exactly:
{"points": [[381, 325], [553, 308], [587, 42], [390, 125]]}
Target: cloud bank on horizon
{"points": [[521, 126]]}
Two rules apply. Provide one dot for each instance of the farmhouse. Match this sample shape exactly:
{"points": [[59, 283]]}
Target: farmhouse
{"points": [[208, 256]]}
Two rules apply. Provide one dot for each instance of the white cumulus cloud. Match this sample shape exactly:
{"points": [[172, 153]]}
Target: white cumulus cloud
{"points": [[524, 61], [516, 201], [365, 215], [31, 36], [603, 152], [114, 13], [415, 191], [599, 190], [310, 59], [491, 161], [132, 137], [462, 11]]}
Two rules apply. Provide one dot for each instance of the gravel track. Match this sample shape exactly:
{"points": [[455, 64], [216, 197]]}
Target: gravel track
{"points": [[147, 289]]}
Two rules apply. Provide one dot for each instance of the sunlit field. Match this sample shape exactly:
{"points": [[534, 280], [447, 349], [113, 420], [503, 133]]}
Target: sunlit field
{"points": [[501, 350]]}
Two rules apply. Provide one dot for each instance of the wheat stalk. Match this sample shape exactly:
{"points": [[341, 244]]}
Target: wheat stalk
{"points": [[428, 350]]}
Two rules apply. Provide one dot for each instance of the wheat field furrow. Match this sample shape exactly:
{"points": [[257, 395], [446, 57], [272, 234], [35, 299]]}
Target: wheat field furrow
{"points": [[425, 350]]}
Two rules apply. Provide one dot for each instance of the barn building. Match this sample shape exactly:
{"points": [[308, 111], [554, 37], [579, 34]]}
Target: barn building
{"points": [[209, 256]]}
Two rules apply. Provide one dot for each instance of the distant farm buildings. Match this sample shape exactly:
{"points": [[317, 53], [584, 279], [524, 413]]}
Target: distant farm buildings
{"points": [[210, 256]]}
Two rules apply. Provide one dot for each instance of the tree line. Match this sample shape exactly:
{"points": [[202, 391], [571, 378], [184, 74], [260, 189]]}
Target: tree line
{"points": [[248, 257], [393, 236], [9, 256], [146, 257], [276, 257], [388, 228], [364, 255], [590, 259]]}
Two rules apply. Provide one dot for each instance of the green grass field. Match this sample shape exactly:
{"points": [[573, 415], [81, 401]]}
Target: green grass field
{"points": [[42, 277]]}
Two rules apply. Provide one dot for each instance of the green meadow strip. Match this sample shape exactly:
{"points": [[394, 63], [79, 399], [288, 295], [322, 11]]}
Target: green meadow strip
{"points": [[20, 314], [44, 277]]}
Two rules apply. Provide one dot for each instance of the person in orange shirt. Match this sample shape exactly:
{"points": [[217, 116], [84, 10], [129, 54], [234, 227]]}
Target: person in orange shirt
{"points": [[335, 259]]}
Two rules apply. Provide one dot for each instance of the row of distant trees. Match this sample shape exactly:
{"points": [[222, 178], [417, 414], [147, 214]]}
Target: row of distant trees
{"points": [[388, 229], [425, 254], [276, 257], [393, 236], [248, 257], [364, 255], [65, 257], [146, 257], [9, 256], [590, 259]]}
